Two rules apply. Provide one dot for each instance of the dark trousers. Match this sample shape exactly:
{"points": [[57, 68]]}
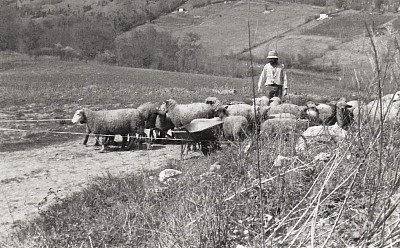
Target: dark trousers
{"points": [[273, 90]]}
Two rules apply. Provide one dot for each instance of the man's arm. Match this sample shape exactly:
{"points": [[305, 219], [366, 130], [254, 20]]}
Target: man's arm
{"points": [[285, 83], [261, 81]]}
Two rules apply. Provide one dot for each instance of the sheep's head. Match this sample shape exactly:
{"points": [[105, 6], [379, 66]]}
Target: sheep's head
{"points": [[222, 112], [213, 101], [79, 116], [166, 106], [274, 101]]}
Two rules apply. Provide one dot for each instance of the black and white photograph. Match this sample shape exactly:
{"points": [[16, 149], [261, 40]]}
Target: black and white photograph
{"points": [[199, 123]]}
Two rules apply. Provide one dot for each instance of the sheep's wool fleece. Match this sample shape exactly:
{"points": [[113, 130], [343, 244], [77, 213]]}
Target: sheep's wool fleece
{"points": [[234, 127], [183, 114], [119, 121], [244, 110], [325, 133]]}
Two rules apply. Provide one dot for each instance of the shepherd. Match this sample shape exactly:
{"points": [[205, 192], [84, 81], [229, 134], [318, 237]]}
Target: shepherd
{"points": [[273, 77]]}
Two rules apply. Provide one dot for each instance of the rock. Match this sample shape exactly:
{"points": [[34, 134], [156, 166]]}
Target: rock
{"points": [[323, 156], [168, 175], [215, 167]]}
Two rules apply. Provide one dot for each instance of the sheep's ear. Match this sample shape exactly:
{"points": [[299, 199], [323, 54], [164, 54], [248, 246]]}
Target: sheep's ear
{"points": [[226, 107]]}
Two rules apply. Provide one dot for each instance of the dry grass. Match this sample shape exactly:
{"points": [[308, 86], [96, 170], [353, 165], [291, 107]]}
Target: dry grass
{"points": [[347, 200]]}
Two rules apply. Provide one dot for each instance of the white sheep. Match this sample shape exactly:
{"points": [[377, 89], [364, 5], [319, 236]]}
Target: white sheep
{"points": [[274, 101], [372, 111], [261, 101], [183, 114], [298, 111], [272, 127], [318, 134], [234, 127], [245, 110], [394, 97], [149, 111], [234, 102], [111, 122]]}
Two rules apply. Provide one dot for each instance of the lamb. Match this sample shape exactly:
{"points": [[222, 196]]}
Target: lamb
{"points": [[149, 111], [111, 122], [234, 127], [183, 114]]}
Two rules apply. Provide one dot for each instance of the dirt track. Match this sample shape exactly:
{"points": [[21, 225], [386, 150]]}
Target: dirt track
{"points": [[28, 176]]}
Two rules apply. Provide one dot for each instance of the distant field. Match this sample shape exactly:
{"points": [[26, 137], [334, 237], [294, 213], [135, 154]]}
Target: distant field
{"points": [[348, 26], [223, 27], [48, 81], [48, 88]]}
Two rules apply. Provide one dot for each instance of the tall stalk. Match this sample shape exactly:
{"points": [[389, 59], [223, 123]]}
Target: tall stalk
{"points": [[257, 134]]}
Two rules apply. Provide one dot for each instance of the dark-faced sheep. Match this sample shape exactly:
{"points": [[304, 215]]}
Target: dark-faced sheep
{"points": [[183, 114], [329, 114], [213, 101], [149, 111], [111, 122]]}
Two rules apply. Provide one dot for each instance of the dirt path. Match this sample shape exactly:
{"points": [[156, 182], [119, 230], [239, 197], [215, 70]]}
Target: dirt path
{"points": [[27, 177]]}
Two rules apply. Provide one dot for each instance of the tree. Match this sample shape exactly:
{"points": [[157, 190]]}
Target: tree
{"points": [[189, 53], [32, 35], [147, 48], [94, 37], [9, 28]]}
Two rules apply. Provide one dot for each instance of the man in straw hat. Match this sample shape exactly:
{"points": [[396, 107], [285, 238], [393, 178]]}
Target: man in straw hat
{"points": [[273, 77]]}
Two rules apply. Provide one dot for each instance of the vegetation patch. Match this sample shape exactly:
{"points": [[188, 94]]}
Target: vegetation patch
{"points": [[355, 25]]}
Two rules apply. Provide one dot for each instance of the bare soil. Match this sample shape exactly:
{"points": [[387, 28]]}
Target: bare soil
{"points": [[31, 179]]}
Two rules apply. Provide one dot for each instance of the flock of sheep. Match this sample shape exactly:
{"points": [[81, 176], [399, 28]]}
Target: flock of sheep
{"points": [[238, 119]]}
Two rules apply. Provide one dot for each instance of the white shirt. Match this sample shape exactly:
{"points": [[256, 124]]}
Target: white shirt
{"points": [[273, 76]]}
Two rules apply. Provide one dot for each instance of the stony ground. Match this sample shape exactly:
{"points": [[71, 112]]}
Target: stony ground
{"points": [[31, 179]]}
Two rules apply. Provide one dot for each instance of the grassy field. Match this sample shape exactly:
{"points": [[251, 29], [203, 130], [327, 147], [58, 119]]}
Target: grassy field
{"points": [[223, 27]]}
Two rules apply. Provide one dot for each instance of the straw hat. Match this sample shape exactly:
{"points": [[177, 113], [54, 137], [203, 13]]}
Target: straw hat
{"points": [[272, 55]]}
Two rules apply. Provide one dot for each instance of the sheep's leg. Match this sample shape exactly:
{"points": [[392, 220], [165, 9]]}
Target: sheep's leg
{"points": [[86, 139], [131, 141], [88, 131], [124, 141], [111, 140], [97, 142], [103, 143]]}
